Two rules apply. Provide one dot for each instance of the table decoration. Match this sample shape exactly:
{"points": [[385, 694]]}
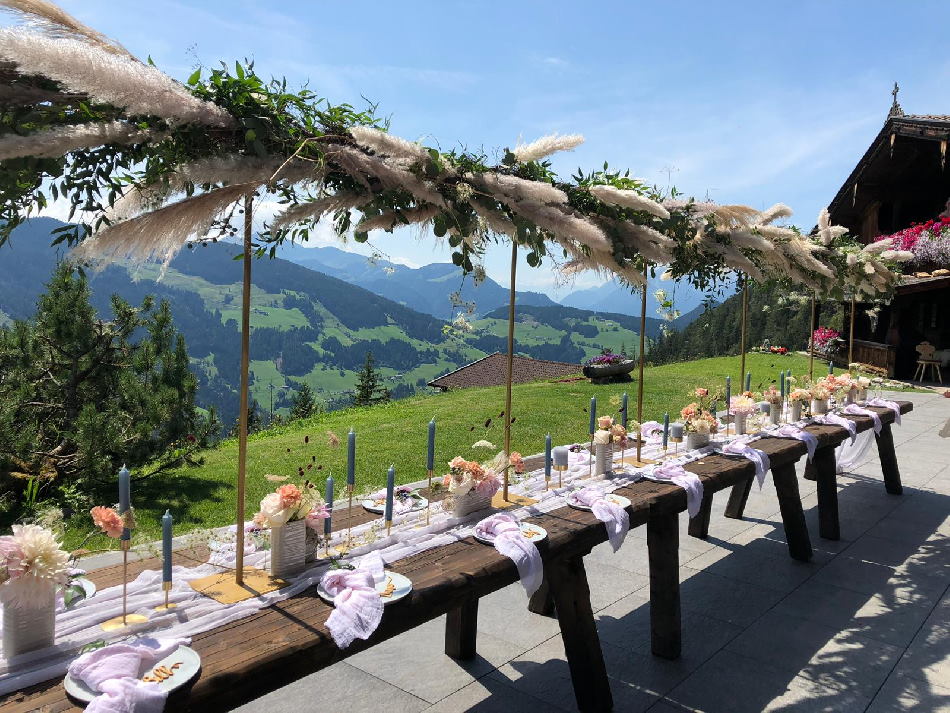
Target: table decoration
{"points": [[357, 605], [623, 410], [505, 532], [676, 435], [740, 447], [884, 403], [796, 399], [390, 497], [610, 509], [863, 383], [350, 481], [547, 461], [698, 421], [820, 393], [285, 512], [846, 423], [592, 427], [167, 523], [739, 408], [32, 568], [774, 398], [728, 402], [472, 485], [560, 458], [676, 474], [854, 410], [405, 501], [791, 431], [430, 465]]}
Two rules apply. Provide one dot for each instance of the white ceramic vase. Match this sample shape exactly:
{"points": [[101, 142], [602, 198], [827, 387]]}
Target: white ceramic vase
{"points": [[27, 628], [852, 395], [469, 503], [696, 440], [740, 423], [603, 457], [288, 548], [819, 407], [862, 395], [796, 411], [775, 413]]}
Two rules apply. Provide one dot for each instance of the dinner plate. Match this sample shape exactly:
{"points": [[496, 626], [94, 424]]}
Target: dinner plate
{"points": [[183, 663], [379, 506], [534, 533], [612, 497], [393, 588]]}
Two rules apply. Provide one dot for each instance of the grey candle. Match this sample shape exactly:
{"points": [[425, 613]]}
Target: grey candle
{"points": [[676, 430], [560, 456], [764, 406]]}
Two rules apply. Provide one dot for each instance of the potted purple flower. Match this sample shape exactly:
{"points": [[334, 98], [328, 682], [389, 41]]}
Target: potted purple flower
{"points": [[608, 366]]}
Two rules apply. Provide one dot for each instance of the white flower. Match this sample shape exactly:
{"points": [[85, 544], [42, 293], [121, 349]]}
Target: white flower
{"points": [[44, 564], [273, 513], [483, 444], [601, 437]]}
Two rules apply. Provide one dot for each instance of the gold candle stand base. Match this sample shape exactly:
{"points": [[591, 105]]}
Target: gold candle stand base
{"points": [[560, 474], [122, 622], [166, 587], [223, 587], [498, 501]]}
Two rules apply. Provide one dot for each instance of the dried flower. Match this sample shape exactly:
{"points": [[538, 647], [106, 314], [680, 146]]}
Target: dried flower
{"points": [[547, 145]]}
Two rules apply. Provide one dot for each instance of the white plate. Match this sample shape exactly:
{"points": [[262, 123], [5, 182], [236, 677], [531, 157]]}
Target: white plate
{"points": [[402, 585], [190, 665], [612, 497], [534, 533], [379, 506]]}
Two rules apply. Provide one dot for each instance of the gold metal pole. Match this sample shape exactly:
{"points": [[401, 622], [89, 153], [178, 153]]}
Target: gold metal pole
{"points": [[245, 360], [125, 578], [643, 328], [811, 341], [349, 515], [851, 335], [742, 329], [429, 499], [510, 365]]}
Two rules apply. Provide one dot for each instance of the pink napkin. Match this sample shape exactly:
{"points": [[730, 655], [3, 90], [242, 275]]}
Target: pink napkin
{"points": [[790, 431], [855, 410], [837, 420], [740, 447], [504, 531], [652, 431], [115, 671], [690, 482], [357, 606], [892, 405], [614, 517]]}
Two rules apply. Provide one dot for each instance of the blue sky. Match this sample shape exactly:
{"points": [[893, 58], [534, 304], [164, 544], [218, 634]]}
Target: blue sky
{"points": [[748, 102]]}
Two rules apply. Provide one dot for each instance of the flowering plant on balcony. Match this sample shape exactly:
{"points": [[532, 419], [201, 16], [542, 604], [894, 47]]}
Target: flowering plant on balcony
{"points": [[826, 340], [929, 242]]}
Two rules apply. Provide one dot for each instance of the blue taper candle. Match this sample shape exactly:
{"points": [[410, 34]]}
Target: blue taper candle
{"points": [[728, 392], [547, 456], [125, 497], [430, 453], [351, 458], [167, 547], [831, 367], [328, 496], [390, 490], [623, 410], [748, 381], [781, 383], [593, 414], [666, 429]]}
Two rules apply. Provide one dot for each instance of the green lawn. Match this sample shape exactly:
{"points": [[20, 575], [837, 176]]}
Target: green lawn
{"points": [[395, 433]]}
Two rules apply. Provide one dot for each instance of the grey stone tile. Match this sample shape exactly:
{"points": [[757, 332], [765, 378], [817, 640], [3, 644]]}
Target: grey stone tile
{"points": [[886, 619], [909, 530], [726, 599], [340, 687], [781, 573], [730, 683], [665, 706], [928, 656], [428, 673], [914, 583], [504, 614], [608, 583], [881, 550], [801, 647], [487, 695], [901, 694]]}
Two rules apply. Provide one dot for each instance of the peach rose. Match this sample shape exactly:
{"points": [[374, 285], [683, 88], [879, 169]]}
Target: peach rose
{"points": [[107, 520], [290, 495]]}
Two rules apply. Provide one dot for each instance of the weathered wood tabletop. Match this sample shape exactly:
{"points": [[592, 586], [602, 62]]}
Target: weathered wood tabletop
{"points": [[245, 659]]}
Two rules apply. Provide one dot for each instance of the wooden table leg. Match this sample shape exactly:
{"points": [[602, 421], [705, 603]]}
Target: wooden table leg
{"points": [[885, 451], [699, 525], [810, 472], [461, 630], [738, 497], [825, 470], [793, 517], [542, 601], [568, 582], [663, 544]]}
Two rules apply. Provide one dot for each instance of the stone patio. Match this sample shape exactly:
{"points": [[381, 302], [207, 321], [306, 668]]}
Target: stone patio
{"points": [[865, 626]]}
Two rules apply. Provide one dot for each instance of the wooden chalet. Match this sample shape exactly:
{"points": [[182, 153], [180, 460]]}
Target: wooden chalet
{"points": [[901, 179]]}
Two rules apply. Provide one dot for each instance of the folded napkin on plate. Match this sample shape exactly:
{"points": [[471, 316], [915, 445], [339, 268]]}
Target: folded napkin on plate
{"points": [[855, 410], [400, 505], [652, 431], [740, 447], [357, 606], [836, 420], [884, 403], [690, 482], [504, 532], [791, 431], [614, 517], [115, 672]]}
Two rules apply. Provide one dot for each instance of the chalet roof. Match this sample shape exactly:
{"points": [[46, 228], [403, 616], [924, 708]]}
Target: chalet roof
{"points": [[492, 369]]}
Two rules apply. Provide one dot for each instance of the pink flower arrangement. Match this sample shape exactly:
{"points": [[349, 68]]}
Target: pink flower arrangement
{"points": [[702, 393], [107, 520], [698, 419], [928, 241], [823, 337], [290, 495], [516, 461], [772, 395], [316, 516], [605, 422], [466, 475]]}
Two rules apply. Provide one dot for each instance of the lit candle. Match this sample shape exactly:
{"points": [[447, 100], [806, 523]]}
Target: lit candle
{"points": [[547, 456], [430, 454], [593, 414], [167, 547], [351, 458], [676, 431], [623, 410], [390, 489], [327, 524], [666, 428], [559, 455], [728, 392], [748, 381], [125, 497]]}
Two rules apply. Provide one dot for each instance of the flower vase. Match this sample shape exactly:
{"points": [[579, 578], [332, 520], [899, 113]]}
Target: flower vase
{"points": [[472, 501], [852, 395], [740, 423], [288, 548], [27, 628], [775, 414], [795, 408], [862, 396], [819, 407], [696, 440], [602, 463]]}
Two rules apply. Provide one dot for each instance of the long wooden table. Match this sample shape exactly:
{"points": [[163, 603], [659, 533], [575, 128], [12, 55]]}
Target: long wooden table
{"points": [[284, 642]]}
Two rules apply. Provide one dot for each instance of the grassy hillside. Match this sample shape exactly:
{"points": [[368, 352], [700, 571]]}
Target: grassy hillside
{"points": [[396, 432]]}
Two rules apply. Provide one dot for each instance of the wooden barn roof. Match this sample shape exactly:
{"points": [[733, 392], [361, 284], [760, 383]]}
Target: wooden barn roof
{"points": [[491, 371]]}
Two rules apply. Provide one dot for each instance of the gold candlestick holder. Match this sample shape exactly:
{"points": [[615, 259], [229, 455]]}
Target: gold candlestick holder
{"points": [[590, 459], [125, 619], [676, 442], [166, 587], [349, 514], [560, 470], [389, 527]]}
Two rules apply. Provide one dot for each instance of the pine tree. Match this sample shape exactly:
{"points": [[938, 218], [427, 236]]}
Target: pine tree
{"points": [[303, 404], [368, 390]]}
